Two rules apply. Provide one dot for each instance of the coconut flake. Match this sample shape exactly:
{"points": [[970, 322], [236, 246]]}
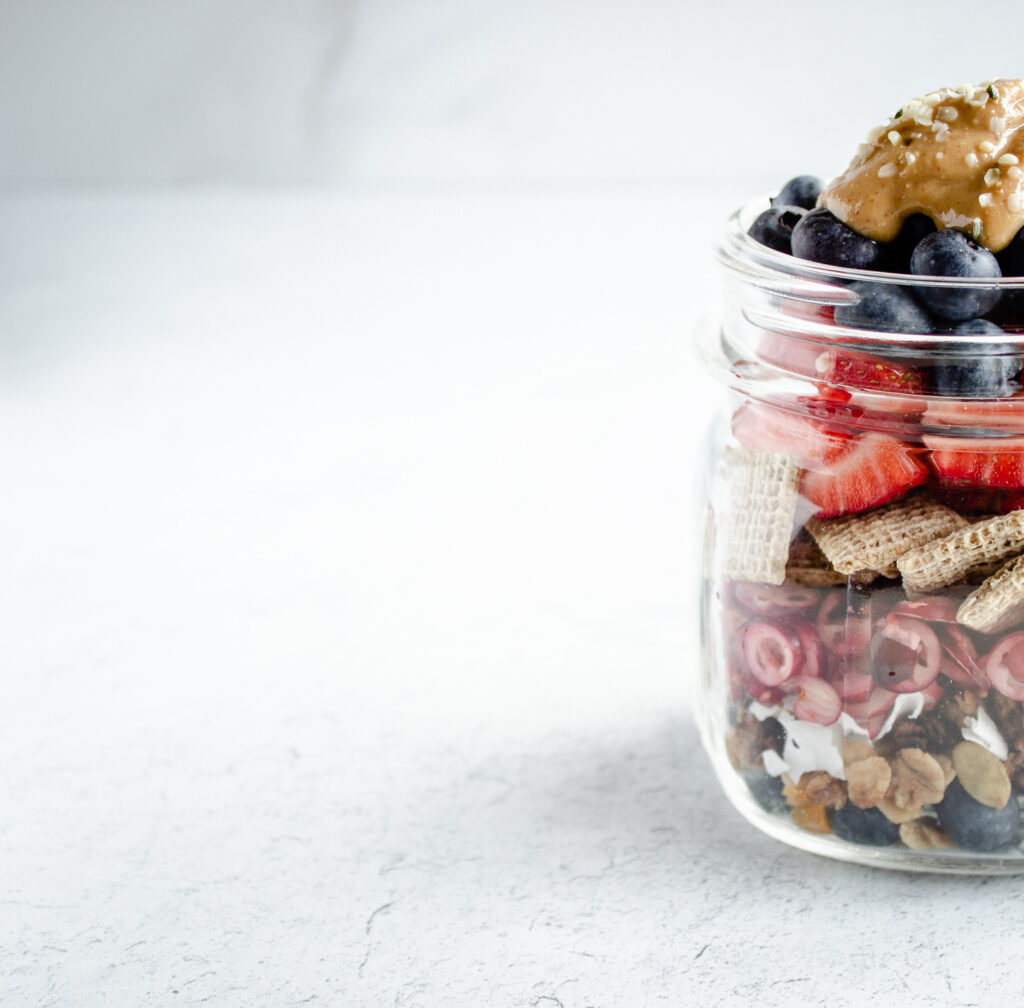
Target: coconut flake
{"points": [[907, 705], [774, 764], [812, 746], [982, 729]]}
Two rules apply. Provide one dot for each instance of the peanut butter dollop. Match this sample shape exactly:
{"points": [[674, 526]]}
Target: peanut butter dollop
{"points": [[956, 155]]}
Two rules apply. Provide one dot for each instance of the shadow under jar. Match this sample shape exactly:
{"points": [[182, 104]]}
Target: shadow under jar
{"points": [[863, 579]]}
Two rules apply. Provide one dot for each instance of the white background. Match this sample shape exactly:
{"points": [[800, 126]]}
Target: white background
{"points": [[471, 91], [351, 441]]}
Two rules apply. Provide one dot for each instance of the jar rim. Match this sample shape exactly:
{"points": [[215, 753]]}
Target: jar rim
{"points": [[781, 316], [741, 254]]}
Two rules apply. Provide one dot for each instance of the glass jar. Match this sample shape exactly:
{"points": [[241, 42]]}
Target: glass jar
{"points": [[863, 600]]}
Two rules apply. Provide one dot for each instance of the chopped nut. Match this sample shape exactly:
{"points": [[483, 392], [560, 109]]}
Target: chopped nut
{"points": [[917, 779], [867, 781], [745, 743], [1008, 716], [742, 745], [941, 727], [920, 834], [907, 734], [1014, 764], [794, 794], [982, 775], [824, 789], [895, 814], [957, 706], [773, 735], [947, 767], [855, 750], [812, 818]]}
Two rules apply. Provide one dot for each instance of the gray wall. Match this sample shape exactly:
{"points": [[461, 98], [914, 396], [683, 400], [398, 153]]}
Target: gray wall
{"points": [[469, 91]]}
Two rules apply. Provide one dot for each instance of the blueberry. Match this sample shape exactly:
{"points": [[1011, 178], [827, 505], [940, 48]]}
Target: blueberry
{"points": [[767, 790], [863, 826], [823, 238], [898, 251], [802, 191], [774, 227], [993, 371], [953, 254], [974, 826], [885, 307]]}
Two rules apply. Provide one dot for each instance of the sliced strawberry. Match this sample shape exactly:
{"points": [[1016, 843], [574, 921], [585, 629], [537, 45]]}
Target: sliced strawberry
{"points": [[765, 428], [790, 353], [863, 411], [978, 462], [822, 314], [869, 374], [971, 462], [997, 416], [874, 470]]}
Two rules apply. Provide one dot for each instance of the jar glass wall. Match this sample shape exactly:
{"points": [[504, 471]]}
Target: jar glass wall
{"points": [[863, 592]]}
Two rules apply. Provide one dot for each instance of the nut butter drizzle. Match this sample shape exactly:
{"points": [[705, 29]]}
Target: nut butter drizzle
{"points": [[956, 155]]}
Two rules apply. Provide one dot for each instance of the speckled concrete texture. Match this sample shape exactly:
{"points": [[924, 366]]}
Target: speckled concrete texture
{"points": [[348, 631]]}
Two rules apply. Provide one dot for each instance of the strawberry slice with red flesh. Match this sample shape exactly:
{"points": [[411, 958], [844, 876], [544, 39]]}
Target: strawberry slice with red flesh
{"points": [[764, 428], [868, 374], [995, 461], [880, 387], [791, 354], [978, 462], [874, 470]]}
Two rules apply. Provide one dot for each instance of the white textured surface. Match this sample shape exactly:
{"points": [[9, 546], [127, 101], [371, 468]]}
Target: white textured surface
{"points": [[347, 591], [469, 90]]}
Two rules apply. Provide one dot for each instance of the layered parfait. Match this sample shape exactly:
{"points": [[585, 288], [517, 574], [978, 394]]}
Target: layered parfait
{"points": [[868, 583]]}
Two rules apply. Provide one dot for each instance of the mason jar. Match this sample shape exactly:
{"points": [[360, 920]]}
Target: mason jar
{"points": [[863, 577]]}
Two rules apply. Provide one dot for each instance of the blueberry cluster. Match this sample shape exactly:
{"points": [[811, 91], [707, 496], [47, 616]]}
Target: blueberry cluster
{"points": [[796, 226]]}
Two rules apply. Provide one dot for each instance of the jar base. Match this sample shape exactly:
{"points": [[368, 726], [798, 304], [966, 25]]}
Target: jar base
{"points": [[898, 858]]}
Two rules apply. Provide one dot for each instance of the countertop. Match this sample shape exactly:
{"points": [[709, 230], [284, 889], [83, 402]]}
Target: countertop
{"points": [[349, 640]]}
